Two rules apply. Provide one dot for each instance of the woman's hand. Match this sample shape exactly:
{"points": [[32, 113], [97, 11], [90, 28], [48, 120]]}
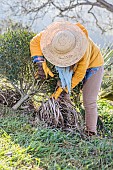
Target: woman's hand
{"points": [[43, 71], [40, 72]]}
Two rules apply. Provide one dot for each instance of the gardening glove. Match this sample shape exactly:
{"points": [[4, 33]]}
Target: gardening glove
{"points": [[40, 72], [47, 71], [58, 92], [43, 70]]}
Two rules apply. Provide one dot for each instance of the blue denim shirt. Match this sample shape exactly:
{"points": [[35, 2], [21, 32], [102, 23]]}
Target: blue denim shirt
{"points": [[90, 72]]}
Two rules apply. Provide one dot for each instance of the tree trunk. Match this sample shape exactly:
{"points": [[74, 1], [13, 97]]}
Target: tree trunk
{"points": [[15, 107]]}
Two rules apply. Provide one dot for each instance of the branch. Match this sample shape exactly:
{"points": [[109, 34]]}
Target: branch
{"points": [[90, 12], [17, 89], [3, 97], [106, 5], [62, 9], [72, 6], [36, 8]]}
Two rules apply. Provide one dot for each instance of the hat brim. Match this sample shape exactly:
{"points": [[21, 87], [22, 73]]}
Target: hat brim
{"points": [[69, 58]]}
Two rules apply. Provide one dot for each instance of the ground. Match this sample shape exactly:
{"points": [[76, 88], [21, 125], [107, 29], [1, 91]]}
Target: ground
{"points": [[24, 146]]}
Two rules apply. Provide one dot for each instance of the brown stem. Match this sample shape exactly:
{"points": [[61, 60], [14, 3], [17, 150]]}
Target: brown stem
{"points": [[15, 107]]}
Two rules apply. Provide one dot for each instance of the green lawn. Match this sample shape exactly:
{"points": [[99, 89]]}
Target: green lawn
{"points": [[24, 147]]}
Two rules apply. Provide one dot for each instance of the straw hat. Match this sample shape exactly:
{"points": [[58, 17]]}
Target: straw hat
{"points": [[63, 43]]}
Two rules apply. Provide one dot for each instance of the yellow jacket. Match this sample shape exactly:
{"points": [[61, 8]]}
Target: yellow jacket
{"points": [[91, 58]]}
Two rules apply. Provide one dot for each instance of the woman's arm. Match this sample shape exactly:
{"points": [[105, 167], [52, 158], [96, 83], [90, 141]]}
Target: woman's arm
{"points": [[81, 68], [35, 45]]}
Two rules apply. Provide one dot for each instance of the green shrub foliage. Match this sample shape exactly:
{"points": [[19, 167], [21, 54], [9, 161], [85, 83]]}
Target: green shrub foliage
{"points": [[15, 54], [107, 84]]}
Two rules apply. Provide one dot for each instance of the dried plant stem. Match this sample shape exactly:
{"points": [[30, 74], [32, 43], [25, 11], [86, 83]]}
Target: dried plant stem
{"points": [[60, 113]]}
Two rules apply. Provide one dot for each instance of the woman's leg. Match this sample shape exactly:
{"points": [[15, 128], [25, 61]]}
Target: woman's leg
{"points": [[90, 92]]}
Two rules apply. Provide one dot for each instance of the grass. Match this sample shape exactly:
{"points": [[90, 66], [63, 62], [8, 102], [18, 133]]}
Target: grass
{"points": [[23, 146], [13, 157], [106, 112]]}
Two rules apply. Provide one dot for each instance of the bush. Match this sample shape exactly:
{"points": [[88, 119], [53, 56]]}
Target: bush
{"points": [[107, 84], [15, 54], [15, 61]]}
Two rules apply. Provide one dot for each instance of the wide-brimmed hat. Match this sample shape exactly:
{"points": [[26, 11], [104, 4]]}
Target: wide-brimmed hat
{"points": [[63, 43]]}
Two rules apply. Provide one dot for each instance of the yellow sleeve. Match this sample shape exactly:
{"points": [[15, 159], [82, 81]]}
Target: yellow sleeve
{"points": [[81, 68], [82, 28], [82, 65], [35, 48]]}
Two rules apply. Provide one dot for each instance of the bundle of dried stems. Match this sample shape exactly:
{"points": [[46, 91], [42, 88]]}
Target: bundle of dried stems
{"points": [[60, 113]]}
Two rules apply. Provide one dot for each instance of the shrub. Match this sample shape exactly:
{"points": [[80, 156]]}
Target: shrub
{"points": [[107, 84], [15, 54], [15, 62]]}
